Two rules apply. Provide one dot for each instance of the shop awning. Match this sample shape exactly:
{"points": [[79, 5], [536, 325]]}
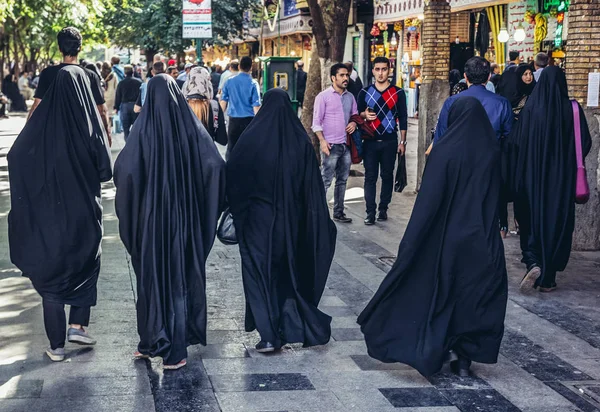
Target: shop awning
{"points": [[388, 11]]}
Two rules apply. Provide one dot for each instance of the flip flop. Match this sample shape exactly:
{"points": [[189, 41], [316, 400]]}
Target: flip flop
{"points": [[139, 355], [181, 364]]}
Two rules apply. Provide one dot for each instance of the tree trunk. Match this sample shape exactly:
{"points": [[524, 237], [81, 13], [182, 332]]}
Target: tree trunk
{"points": [[330, 26], [149, 53], [313, 87]]}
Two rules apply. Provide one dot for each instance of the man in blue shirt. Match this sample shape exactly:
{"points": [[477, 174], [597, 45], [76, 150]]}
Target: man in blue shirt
{"points": [[498, 109], [241, 95]]}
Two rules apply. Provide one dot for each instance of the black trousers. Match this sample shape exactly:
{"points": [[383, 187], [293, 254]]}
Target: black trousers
{"points": [[127, 116], [379, 156], [55, 321], [237, 125], [2, 109]]}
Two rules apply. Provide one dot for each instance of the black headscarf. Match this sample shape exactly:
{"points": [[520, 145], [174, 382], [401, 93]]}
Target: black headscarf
{"points": [[513, 87], [545, 168], [286, 237], [447, 288], [170, 189], [482, 37], [56, 166], [11, 89], [454, 78]]}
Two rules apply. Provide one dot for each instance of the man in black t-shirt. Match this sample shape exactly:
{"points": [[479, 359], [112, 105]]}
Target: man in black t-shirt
{"points": [[69, 43]]}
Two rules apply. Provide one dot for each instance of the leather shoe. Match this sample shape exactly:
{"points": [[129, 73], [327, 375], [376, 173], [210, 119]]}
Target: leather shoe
{"points": [[382, 215], [370, 220], [264, 347], [342, 218]]}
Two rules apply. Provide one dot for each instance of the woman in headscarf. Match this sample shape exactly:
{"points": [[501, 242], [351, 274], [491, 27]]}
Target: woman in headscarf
{"points": [[11, 89], [56, 166], [440, 302], [544, 179], [170, 190], [286, 237], [454, 78], [198, 90], [525, 86]]}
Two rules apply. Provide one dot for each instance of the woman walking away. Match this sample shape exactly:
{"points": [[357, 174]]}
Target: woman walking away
{"points": [[170, 189], [286, 237], [445, 297], [545, 178], [198, 90]]}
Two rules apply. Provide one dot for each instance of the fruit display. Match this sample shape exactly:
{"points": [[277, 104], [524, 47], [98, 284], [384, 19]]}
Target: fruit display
{"points": [[541, 28]]}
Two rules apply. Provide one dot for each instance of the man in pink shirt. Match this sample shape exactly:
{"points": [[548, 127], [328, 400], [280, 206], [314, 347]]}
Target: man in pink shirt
{"points": [[331, 122]]}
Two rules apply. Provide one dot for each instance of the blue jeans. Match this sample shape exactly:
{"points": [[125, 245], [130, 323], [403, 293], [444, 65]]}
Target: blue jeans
{"points": [[336, 164], [127, 116]]}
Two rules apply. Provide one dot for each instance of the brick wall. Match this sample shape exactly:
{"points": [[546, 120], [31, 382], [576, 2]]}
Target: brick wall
{"points": [[583, 50], [436, 41], [459, 26]]}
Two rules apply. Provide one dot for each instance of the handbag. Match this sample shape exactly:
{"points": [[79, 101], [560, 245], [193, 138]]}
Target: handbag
{"points": [[226, 230], [582, 189], [401, 179]]}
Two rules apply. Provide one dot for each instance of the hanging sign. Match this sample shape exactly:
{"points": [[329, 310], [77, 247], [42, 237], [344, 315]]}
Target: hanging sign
{"points": [[197, 19], [547, 5]]}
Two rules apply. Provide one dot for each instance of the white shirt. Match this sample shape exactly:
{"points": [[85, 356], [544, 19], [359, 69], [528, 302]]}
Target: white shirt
{"points": [[23, 83], [537, 74]]}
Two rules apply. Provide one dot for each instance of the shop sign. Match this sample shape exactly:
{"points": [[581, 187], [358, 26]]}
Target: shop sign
{"points": [[547, 5], [197, 19]]}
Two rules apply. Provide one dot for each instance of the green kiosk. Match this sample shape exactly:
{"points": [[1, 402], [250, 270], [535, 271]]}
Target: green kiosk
{"points": [[280, 72]]}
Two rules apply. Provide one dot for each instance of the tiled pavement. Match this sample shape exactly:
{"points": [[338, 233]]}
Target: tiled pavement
{"points": [[550, 357]]}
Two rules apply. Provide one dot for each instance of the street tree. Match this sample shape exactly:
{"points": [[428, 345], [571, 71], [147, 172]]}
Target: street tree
{"points": [[30, 28], [156, 25], [329, 30]]}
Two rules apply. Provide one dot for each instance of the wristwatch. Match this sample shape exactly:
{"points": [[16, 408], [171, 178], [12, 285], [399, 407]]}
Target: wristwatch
{"points": [[403, 142]]}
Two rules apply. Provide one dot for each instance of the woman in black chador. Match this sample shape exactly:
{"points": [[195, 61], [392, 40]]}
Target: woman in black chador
{"points": [[446, 294], [544, 179], [170, 189], [56, 166], [286, 237]]}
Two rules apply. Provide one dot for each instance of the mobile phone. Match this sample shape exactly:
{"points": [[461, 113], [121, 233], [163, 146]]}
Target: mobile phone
{"points": [[370, 110]]}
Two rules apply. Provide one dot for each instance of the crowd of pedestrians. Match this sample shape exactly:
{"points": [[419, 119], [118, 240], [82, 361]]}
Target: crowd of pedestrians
{"points": [[437, 304]]}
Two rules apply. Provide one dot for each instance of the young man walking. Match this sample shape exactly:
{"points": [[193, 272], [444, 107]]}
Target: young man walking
{"points": [[331, 122], [56, 166], [240, 95], [127, 94], [69, 42], [384, 105]]}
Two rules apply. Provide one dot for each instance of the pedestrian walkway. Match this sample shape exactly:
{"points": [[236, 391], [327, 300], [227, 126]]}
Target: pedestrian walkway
{"points": [[550, 357]]}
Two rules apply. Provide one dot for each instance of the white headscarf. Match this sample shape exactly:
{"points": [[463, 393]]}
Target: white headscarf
{"points": [[198, 82]]}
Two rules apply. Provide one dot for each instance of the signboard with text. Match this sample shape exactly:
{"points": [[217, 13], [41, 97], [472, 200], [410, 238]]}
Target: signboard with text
{"points": [[197, 19]]}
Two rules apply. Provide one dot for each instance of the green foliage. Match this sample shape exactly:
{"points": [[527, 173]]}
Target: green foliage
{"points": [[156, 24]]}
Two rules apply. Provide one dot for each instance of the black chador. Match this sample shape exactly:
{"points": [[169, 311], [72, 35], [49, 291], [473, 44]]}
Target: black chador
{"points": [[447, 290], [544, 176], [56, 166], [170, 189], [286, 237]]}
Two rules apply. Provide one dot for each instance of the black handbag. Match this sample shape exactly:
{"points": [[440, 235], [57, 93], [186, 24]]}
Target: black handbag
{"points": [[401, 179], [226, 230]]}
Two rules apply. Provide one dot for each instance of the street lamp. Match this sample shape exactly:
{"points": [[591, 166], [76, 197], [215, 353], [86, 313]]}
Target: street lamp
{"points": [[519, 33], [503, 35]]}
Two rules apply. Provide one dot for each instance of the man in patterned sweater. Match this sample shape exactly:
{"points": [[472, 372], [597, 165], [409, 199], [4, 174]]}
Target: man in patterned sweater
{"points": [[384, 105]]}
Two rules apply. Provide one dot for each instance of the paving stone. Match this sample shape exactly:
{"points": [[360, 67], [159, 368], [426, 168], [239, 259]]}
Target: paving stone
{"points": [[65, 387], [367, 363], [191, 400], [305, 401], [261, 382], [21, 388], [448, 380], [536, 360], [482, 400], [192, 376], [584, 403], [218, 351], [347, 334], [414, 397]]}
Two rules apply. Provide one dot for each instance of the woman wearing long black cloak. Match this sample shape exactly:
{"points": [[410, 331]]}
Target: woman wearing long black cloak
{"points": [[286, 237], [11, 90], [545, 177], [170, 190], [56, 166], [447, 290]]}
